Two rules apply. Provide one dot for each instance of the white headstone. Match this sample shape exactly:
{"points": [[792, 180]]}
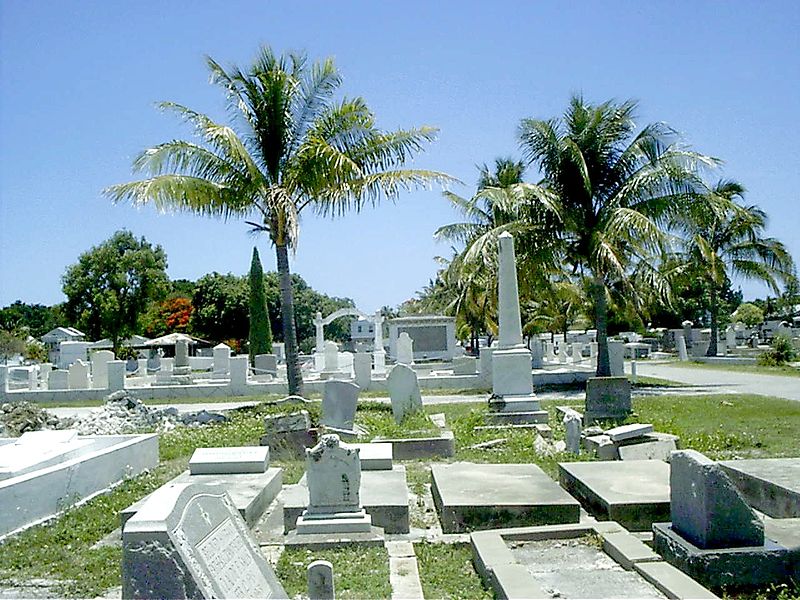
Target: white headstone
{"points": [[58, 380], [115, 373], [333, 474], [404, 391], [680, 342], [577, 354], [222, 359], [616, 358], [236, 459], [100, 360], [78, 377], [730, 337], [239, 372], [362, 367], [331, 356], [405, 349], [572, 426]]}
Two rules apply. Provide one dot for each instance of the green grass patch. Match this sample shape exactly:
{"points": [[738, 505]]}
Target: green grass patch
{"points": [[757, 369], [376, 418], [446, 571], [656, 382], [357, 572]]}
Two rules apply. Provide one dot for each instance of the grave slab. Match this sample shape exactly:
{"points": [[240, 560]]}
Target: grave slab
{"points": [[651, 446], [251, 493], [188, 541], [626, 432], [384, 495], [374, 456], [633, 493], [672, 582], [471, 496], [241, 459], [443, 446], [770, 485]]}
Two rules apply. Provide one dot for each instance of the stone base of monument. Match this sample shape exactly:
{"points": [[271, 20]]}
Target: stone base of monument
{"points": [[441, 446], [320, 541], [470, 496], [346, 522], [635, 493], [384, 495], [251, 493], [517, 418], [174, 377], [511, 409], [733, 568]]}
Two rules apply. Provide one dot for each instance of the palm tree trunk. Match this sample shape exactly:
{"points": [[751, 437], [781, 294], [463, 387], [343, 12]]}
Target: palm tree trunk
{"points": [[601, 323], [293, 374], [713, 308]]}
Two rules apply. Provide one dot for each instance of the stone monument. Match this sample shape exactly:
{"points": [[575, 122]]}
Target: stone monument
{"points": [[339, 403], [405, 349], [404, 391], [222, 361], [512, 378], [319, 580]]}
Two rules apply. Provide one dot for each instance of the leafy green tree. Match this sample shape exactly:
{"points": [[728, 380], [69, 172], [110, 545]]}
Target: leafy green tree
{"points": [[112, 284], [221, 308], [37, 319], [291, 148], [749, 314], [11, 344], [611, 191], [726, 238], [260, 331]]}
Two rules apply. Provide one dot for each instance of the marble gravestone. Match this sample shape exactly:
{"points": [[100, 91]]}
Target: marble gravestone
{"points": [[333, 473], [181, 365], [404, 391], [100, 360], [78, 375], [339, 403], [189, 541], [222, 361], [405, 349]]}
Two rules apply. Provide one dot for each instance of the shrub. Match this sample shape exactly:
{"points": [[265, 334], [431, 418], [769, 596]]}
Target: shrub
{"points": [[781, 352]]}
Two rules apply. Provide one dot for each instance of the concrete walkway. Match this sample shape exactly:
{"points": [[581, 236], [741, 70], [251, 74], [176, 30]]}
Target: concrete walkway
{"points": [[779, 386]]}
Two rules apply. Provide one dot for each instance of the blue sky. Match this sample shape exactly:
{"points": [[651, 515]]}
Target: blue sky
{"points": [[78, 81]]}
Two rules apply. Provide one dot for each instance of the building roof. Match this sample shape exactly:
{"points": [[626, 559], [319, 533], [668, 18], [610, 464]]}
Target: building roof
{"points": [[60, 333]]}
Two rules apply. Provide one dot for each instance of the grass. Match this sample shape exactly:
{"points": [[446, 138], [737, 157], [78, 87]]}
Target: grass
{"points": [[376, 418], [446, 571], [757, 369], [358, 572]]}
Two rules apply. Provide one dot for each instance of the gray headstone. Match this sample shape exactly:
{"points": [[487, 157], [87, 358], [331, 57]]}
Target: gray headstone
{"points": [[296, 421], [607, 398], [320, 581], [572, 425], [362, 369], [404, 391], [241, 459], [189, 541], [266, 364], [58, 380], [706, 507], [333, 472], [182, 353], [339, 402], [465, 365]]}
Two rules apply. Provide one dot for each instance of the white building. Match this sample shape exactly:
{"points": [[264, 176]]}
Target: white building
{"points": [[52, 339]]}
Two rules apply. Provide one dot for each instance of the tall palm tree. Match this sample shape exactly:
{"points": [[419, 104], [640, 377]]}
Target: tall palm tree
{"points": [[611, 191], [290, 148], [725, 239]]}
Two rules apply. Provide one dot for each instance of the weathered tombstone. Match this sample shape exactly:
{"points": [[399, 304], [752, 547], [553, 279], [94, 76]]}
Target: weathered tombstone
{"points": [[331, 353], [266, 364], [100, 360], [562, 353], [485, 365], [153, 362], [607, 398], [189, 541], [333, 473], [730, 337], [222, 360], [572, 425], [405, 349], [78, 377], [181, 364], [239, 372], [58, 380], [616, 358], [115, 373], [362, 368], [680, 343], [537, 353], [705, 506], [288, 434], [339, 402], [465, 365], [3, 378], [320, 581], [404, 391]]}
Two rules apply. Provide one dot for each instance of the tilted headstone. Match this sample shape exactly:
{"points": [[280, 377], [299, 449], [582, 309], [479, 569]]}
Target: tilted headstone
{"points": [[339, 403], [572, 426], [405, 349], [362, 369], [189, 541], [100, 360], [706, 508], [78, 375], [680, 343], [320, 581], [404, 391]]}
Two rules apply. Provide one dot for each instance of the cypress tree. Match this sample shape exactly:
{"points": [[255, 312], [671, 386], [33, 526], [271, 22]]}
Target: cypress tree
{"points": [[260, 331]]}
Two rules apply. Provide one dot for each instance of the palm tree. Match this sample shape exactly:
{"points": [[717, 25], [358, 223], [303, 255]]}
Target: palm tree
{"points": [[610, 190], [290, 147], [725, 238]]}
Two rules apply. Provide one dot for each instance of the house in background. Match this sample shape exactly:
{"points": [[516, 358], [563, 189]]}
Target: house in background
{"points": [[52, 339]]}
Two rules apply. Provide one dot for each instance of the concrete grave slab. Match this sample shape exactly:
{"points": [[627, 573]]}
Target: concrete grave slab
{"points": [[384, 495], [188, 541], [251, 493], [633, 493], [651, 446], [374, 456], [771, 485], [240, 459], [471, 496], [625, 432]]}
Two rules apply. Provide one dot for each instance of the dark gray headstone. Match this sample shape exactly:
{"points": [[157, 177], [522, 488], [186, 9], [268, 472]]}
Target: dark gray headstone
{"points": [[607, 398], [339, 402], [320, 581], [706, 507], [404, 391], [266, 364], [188, 541]]}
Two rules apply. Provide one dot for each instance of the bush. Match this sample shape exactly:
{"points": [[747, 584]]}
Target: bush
{"points": [[781, 352]]}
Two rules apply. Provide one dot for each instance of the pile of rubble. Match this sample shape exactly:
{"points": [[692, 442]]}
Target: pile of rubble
{"points": [[122, 413], [21, 417]]}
